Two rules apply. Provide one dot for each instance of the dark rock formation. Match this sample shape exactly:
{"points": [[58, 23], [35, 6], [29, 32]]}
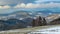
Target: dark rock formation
{"points": [[33, 23], [44, 21], [39, 22]]}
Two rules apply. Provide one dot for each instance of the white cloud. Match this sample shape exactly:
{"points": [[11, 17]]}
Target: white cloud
{"points": [[31, 5], [22, 5], [5, 7]]}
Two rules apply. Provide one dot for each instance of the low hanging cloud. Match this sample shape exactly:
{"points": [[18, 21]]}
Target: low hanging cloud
{"points": [[31, 5], [5, 7]]}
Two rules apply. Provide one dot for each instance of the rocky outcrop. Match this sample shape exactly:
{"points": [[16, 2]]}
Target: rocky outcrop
{"points": [[39, 21]]}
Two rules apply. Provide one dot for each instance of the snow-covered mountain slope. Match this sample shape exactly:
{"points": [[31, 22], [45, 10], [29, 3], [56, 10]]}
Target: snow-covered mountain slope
{"points": [[52, 17]]}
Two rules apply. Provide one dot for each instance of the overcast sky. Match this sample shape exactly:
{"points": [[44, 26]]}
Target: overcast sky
{"points": [[7, 6]]}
